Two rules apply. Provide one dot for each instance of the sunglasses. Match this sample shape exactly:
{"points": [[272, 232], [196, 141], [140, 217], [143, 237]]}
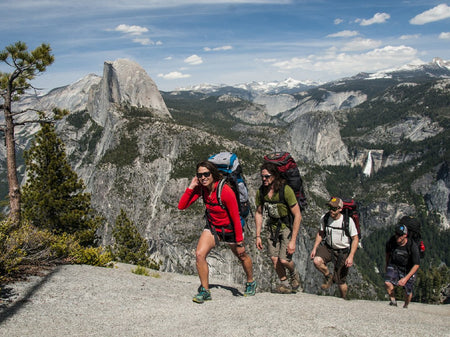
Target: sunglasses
{"points": [[333, 208], [266, 176], [203, 174]]}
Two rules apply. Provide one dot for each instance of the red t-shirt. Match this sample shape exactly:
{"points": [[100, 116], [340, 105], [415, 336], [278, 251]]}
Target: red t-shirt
{"points": [[218, 215]]}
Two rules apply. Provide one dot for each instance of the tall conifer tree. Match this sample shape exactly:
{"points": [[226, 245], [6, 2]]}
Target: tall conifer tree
{"points": [[53, 196]]}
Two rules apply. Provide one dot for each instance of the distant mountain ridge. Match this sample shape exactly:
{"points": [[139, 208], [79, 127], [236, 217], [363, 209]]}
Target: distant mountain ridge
{"points": [[438, 68]]}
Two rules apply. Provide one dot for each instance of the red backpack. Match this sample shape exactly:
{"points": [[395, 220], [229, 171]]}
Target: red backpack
{"points": [[289, 171]]}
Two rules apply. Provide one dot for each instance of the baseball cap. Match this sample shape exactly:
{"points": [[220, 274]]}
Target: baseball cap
{"points": [[335, 202], [401, 229]]}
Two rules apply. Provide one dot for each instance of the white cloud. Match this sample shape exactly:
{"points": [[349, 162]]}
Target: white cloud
{"points": [[344, 33], [136, 32], [345, 63], [174, 75], [132, 30], [193, 60], [266, 60], [218, 48], [168, 58], [437, 13], [360, 44], [377, 18], [143, 41], [445, 35], [409, 37], [294, 63], [338, 21]]}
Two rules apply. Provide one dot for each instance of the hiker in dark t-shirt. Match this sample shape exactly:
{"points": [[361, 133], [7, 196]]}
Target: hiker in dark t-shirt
{"points": [[402, 263]]}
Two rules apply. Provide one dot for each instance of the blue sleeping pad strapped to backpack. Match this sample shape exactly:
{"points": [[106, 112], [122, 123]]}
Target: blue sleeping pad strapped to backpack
{"points": [[228, 164]]}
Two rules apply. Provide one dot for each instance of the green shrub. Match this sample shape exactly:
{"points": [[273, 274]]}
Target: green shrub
{"points": [[94, 256], [11, 250], [28, 244], [139, 270]]}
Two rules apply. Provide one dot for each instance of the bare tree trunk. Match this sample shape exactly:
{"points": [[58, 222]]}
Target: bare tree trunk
{"points": [[13, 181]]}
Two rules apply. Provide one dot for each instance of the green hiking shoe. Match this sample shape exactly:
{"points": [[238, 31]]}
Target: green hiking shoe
{"points": [[250, 288], [202, 296]]}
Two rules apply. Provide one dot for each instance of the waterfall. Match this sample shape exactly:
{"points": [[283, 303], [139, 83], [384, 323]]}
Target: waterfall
{"points": [[368, 167]]}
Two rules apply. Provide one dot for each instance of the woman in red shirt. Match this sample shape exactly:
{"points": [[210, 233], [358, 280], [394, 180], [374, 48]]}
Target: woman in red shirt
{"points": [[223, 224]]}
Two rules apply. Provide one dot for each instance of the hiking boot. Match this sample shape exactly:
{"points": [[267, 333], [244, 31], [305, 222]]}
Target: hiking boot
{"points": [[202, 296], [250, 288], [283, 288], [393, 303], [328, 281], [294, 279]]}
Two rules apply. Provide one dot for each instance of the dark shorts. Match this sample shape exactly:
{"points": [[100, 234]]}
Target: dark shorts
{"points": [[221, 235], [338, 258], [393, 275]]}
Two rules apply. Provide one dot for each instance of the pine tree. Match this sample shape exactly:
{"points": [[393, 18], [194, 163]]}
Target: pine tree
{"points": [[25, 66], [53, 196], [130, 246]]}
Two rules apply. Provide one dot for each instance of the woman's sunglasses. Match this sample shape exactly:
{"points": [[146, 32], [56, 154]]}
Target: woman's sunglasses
{"points": [[203, 174], [266, 176], [333, 208]]}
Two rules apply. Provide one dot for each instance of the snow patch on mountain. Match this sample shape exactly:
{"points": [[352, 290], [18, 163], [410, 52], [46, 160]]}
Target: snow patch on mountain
{"points": [[437, 68], [289, 85]]}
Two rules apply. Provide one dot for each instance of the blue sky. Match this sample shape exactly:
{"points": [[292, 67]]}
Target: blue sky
{"points": [[181, 43]]}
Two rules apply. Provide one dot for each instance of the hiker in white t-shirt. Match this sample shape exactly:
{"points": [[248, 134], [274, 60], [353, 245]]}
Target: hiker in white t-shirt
{"points": [[334, 243]]}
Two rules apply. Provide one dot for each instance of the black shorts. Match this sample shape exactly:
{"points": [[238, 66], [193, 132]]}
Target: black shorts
{"points": [[220, 234]]}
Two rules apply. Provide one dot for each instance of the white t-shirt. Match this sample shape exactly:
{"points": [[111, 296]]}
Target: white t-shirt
{"points": [[335, 236]]}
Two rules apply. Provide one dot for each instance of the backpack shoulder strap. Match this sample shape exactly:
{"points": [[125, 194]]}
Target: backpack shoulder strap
{"points": [[346, 223], [409, 244], [325, 219], [282, 198], [219, 192], [261, 196]]}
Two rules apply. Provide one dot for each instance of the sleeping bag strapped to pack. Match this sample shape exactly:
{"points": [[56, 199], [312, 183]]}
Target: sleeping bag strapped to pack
{"points": [[289, 171], [228, 164], [414, 232]]}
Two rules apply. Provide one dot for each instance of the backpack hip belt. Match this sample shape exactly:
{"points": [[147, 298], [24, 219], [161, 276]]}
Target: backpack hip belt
{"points": [[218, 230]]}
